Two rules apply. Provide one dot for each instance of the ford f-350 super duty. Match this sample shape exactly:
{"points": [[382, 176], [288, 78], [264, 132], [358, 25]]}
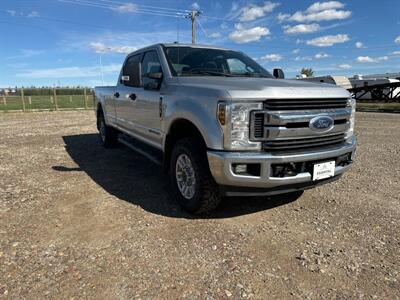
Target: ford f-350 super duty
{"points": [[224, 126]]}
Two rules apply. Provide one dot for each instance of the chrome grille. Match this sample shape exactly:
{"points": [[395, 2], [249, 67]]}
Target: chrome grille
{"points": [[289, 129], [305, 104], [258, 125], [301, 143]]}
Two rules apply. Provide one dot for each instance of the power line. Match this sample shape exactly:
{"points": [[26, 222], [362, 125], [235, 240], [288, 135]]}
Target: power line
{"points": [[192, 15], [202, 28], [41, 18], [219, 19], [115, 7], [148, 6]]}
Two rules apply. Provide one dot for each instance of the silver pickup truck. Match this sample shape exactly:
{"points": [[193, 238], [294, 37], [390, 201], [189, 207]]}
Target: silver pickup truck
{"points": [[224, 126]]}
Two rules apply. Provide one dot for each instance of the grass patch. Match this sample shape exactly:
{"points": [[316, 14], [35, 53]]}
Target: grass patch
{"points": [[385, 106]]}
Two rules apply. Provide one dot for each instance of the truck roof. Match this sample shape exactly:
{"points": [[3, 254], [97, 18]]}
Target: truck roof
{"points": [[192, 45], [179, 45]]}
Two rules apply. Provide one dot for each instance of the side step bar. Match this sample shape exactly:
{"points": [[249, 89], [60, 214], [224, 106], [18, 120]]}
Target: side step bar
{"points": [[143, 149]]}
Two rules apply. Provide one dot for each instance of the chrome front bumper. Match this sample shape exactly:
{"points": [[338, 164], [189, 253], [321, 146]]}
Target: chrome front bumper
{"points": [[221, 167]]}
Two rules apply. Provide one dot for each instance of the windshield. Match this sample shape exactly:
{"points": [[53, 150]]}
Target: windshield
{"points": [[191, 61]]}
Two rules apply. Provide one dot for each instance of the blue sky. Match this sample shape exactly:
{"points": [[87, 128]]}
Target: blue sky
{"points": [[61, 42]]}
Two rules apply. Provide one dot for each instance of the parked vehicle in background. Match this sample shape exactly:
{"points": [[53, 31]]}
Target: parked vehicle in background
{"points": [[341, 81], [224, 126]]}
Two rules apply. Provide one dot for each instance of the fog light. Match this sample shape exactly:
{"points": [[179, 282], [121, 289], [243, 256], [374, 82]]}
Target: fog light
{"points": [[240, 169], [247, 169]]}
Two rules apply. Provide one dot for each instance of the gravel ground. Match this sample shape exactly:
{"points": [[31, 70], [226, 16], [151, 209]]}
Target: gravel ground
{"points": [[79, 221]]}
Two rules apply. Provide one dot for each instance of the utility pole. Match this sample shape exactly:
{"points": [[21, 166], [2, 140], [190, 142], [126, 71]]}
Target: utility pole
{"points": [[192, 16], [101, 70]]}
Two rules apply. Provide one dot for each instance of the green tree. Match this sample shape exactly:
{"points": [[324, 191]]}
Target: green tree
{"points": [[308, 72]]}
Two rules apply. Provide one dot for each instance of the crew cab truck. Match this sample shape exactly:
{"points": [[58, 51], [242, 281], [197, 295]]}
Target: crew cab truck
{"points": [[225, 126]]}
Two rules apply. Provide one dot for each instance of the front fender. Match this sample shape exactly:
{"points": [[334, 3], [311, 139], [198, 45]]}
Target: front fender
{"points": [[202, 113]]}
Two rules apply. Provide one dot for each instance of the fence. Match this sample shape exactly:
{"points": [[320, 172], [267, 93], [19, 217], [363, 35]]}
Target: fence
{"points": [[50, 99]]}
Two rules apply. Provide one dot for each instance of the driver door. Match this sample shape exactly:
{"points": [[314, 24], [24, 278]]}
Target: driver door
{"points": [[149, 98]]}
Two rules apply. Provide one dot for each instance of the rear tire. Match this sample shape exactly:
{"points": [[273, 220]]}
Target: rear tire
{"points": [[191, 180], [108, 135]]}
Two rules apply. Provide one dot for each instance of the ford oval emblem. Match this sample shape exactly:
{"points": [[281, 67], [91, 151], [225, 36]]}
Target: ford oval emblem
{"points": [[322, 123]]}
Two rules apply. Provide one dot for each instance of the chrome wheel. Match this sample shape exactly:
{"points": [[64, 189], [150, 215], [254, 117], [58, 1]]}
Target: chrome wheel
{"points": [[102, 131], [185, 176]]}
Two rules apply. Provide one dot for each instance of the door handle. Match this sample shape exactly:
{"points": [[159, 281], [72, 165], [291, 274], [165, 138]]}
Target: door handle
{"points": [[116, 95], [160, 106], [132, 96]]}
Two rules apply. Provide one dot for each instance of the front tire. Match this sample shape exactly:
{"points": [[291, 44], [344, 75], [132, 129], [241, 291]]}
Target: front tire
{"points": [[192, 183], [108, 135]]}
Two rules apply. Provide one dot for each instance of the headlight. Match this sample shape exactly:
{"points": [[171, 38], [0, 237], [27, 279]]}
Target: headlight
{"points": [[235, 121], [351, 103]]}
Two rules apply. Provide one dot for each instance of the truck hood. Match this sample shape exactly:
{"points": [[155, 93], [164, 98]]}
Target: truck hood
{"points": [[256, 88]]}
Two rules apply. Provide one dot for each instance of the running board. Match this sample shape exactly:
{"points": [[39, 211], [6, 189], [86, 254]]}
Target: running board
{"points": [[145, 150]]}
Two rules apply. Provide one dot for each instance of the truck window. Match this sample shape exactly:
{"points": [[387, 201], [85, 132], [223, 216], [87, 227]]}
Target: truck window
{"points": [[150, 64], [237, 66], [193, 61], [128, 70]]}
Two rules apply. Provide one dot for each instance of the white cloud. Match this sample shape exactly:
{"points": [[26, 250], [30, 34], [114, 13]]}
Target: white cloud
{"points": [[326, 15], [301, 28], [126, 8], [319, 11], [195, 6], [328, 40], [395, 53], [303, 58], [321, 55], [33, 14], [282, 17], [359, 45], [25, 53], [253, 12], [272, 57], [320, 6], [344, 66], [383, 58], [242, 35], [70, 72], [365, 59], [215, 35], [368, 59], [12, 13], [397, 40], [296, 51], [101, 48]]}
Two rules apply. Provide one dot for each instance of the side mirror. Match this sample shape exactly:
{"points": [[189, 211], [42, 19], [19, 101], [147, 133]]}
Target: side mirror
{"points": [[152, 81], [156, 76], [278, 74]]}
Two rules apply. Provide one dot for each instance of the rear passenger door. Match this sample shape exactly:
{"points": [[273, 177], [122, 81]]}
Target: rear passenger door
{"points": [[125, 105]]}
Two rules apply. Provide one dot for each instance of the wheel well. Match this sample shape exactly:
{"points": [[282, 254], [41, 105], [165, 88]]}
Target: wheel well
{"points": [[180, 129], [98, 113], [99, 109]]}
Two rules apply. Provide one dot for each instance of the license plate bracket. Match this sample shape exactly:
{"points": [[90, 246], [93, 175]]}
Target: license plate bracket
{"points": [[323, 170]]}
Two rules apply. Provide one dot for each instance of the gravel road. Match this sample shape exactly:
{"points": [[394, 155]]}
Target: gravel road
{"points": [[79, 221]]}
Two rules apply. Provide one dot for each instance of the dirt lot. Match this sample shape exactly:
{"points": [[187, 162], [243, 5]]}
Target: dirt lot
{"points": [[79, 221]]}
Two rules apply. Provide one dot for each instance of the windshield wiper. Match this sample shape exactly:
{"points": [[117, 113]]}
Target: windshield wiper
{"points": [[250, 74], [209, 72]]}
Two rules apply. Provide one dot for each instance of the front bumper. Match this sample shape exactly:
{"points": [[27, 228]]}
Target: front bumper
{"points": [[221, 162]]}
